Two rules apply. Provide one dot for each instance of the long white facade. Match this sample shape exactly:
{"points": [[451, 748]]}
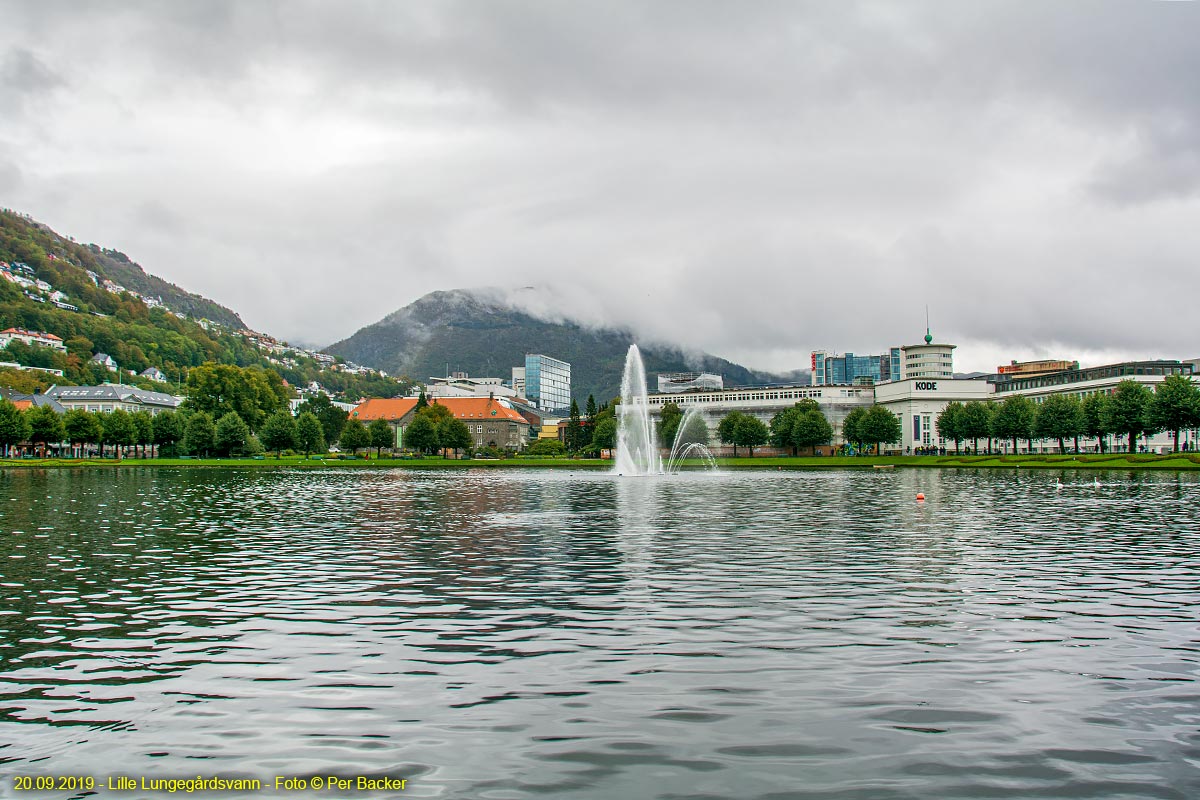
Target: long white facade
{"points": [[764, 402]]}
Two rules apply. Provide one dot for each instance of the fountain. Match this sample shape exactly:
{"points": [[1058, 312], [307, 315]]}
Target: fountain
{"points": [[637, 440]]}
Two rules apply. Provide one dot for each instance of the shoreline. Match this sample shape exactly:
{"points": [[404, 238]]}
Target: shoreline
{"points": [[1178, 462]]}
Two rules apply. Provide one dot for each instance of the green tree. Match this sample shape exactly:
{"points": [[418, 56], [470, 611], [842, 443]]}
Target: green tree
{"points": [[200, 435], [1095, 418], [751, 432], [852, 427], [692, 430], [781, 428], [879, 426], [1059, 417], [1128, 411], [381, 434], [332, 418], [421, 434], [1014, 419], [976, 423], [310, 434], [809, 429], [1175, 406], [45, 426], [422, 401], [727, 429], [220, 388], [143, 421], [590, 411], [14, 427], [253, 446], [278, 433], [119, 430], [547, 447], [82, 427], [168, 430], [354, 435], [669, 418], [950, 423], [455, 434], [232, 434], [605, 435], [574, 433]]}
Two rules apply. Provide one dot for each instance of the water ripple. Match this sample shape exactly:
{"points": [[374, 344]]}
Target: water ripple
{"points": [[504, 634]]}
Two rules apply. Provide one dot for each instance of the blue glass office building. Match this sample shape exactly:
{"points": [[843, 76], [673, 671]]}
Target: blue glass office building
{"points": [[548, 383], [830, 369]]}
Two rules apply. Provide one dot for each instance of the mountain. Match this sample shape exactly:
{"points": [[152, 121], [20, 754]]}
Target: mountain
{"points": [[25, 240], [465, 331], [117, 267], [96, 300]]}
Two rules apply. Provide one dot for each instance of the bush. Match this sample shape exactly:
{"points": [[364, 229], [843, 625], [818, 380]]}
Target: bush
{"points": [[546, 447]]}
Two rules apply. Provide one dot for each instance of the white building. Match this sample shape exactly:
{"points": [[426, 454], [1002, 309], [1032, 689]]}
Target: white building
{"points": [[30, 338], [108, 397], [462, 385], [928, 360], [104, 360], [917, 402], [1098, 380], [765, 402]]}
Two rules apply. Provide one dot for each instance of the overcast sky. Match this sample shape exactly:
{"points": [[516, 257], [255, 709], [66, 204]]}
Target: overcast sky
{"points": [[752, 179]]}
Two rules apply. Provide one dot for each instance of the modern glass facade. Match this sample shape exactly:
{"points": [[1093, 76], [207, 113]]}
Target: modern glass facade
{"points": [[548, 382], [831, 369]]}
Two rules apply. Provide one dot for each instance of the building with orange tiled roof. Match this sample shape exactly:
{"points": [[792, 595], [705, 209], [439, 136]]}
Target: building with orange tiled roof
{"points": [[492, 421], [31, 338], [383, 408]]}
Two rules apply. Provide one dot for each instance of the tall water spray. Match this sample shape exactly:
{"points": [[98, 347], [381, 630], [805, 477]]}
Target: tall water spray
{"points": [[637, 440], [637, 444]]}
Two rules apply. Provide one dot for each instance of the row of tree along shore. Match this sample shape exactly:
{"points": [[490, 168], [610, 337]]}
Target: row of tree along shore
{"points": [[1131, 411]]}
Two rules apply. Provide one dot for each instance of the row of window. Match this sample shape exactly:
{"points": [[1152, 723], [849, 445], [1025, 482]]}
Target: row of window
{"points": [[794, 394], [1095, 373]]}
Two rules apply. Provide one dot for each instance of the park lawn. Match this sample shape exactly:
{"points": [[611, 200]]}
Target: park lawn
{"points": [[1122, 461], [1171, 461], [306, 462]]}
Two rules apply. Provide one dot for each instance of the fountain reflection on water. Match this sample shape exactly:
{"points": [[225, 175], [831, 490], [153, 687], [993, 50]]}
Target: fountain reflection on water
{"points": [[637, 438]]}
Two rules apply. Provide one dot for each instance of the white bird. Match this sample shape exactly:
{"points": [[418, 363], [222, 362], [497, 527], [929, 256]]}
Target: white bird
{"points": [[1097, 481], [1058, 484]]}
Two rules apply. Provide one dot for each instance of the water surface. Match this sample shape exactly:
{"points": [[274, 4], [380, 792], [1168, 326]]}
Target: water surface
{"points": [[511, 634]]}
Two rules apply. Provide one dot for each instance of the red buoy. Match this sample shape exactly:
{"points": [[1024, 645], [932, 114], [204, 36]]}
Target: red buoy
{"points": [[920, 496]]}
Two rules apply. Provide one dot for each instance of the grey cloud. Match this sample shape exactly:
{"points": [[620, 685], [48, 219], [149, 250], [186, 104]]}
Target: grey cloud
{"points": [[758, 179], [1165, 165], [23, 78]]}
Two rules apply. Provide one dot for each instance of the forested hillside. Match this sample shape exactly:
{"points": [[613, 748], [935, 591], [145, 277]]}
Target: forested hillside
{"points": [[91, 319]]}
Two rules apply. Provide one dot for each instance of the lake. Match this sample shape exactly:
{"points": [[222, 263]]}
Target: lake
{"points": [[521, 633]]}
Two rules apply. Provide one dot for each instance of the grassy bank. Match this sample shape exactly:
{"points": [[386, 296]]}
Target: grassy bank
{"points": [[1174, 461]]}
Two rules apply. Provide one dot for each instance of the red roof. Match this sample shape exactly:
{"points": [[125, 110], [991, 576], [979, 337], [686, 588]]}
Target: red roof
{"points": [[464, 408], [37, 334], [478, 408], [380, 408]]}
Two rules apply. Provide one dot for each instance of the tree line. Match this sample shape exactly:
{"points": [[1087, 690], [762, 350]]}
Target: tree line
{"points": [[1132, 411], [804, 426]]}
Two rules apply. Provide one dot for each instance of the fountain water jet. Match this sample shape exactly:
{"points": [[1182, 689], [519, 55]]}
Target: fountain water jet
{"points": [[637, 440]]}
